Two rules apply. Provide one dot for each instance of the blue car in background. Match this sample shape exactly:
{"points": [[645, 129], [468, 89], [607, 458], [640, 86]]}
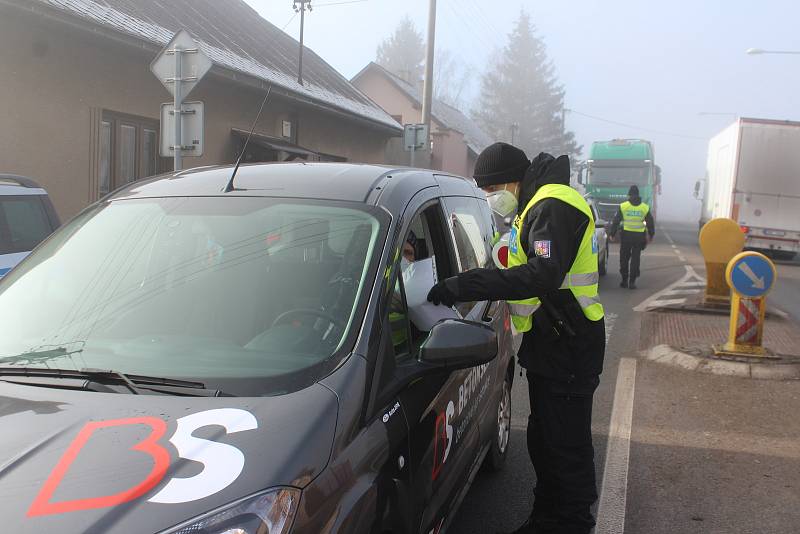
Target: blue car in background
{"points": [[27, 217]]}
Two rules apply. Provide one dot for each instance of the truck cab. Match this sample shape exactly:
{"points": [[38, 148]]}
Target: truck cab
{"points": [[613, 166]]}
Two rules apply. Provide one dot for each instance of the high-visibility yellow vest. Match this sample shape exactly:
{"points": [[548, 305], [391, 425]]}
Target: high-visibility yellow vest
{"points": [[582, 277], [633, 216]]}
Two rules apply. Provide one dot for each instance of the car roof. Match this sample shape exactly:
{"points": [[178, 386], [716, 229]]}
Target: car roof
{"points": [[14, 184], [364, 183]]}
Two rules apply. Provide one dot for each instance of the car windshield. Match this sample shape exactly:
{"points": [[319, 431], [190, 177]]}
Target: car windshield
{"points": [[244, 294], [23, 223], [620, 176]]}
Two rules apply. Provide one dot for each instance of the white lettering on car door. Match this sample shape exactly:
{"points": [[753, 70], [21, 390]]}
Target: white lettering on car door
{"points": [[222, 463], [449, 412]]}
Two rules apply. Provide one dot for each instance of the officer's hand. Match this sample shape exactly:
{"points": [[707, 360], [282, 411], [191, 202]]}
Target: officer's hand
{"points": [[445, 292], [649, 238]]}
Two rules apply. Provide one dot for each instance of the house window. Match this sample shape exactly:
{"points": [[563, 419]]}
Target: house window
{"points": [[128, 150]]}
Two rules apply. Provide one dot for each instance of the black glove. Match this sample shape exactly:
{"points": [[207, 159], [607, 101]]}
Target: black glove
{"points": [[445, 292]]}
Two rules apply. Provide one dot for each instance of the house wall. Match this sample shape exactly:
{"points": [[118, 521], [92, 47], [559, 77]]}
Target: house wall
{"points": [[57, 79], [450, 153]]}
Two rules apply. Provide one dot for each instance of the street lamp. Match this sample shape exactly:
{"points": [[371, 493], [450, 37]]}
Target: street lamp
{"points": [[760, 51]]}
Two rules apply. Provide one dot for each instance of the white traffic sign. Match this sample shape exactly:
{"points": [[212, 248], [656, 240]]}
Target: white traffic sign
{"points": [[181, 63], [191, 131], [415, 136]]}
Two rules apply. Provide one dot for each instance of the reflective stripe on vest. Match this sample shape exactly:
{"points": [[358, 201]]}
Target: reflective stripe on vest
{"points": [[633, 216], [582, 278]]}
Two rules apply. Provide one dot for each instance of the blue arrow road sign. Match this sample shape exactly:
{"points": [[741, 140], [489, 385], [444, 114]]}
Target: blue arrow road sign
{"points": [[752, 276]]}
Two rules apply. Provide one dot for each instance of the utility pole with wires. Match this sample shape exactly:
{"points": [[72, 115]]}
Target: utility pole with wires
{"points": [[514, 130], [428, 84], [300, 6]]}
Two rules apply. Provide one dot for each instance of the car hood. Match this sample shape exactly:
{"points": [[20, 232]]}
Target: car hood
{"points": [[78, 461]]}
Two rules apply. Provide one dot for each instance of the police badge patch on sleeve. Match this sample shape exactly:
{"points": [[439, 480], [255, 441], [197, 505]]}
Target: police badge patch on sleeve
{"points": [[541, 248]]}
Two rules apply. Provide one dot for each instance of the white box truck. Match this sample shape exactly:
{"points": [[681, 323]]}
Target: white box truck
{"points": [[753, 177]]}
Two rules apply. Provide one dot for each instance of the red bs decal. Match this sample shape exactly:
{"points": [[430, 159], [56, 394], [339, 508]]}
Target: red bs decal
{"points": [[42, 504]]}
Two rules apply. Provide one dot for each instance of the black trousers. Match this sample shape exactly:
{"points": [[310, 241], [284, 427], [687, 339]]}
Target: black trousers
{"points": [[630, 252], [560, 446]]}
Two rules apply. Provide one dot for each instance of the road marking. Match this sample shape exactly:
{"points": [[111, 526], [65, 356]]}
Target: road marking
{"points": [[690, 280], [674, 246], [610, 320], [614, 488], [682, 291], [682, 258]]}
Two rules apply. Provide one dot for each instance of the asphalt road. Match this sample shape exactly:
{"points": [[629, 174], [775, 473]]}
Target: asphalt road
{"points": [[706, 454]]}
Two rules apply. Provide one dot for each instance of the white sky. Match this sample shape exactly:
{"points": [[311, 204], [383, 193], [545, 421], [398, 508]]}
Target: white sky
{"points": [[655, 65]]}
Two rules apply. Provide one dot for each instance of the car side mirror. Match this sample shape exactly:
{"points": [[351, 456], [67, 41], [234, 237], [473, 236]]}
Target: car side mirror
{"points": [[458, 344]]}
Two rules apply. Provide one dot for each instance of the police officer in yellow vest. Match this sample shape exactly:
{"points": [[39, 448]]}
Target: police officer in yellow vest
{"points": [[638, 228], [551, 287]]}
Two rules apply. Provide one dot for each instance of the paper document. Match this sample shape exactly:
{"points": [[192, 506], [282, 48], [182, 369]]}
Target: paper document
{"points": [[418, 278]]}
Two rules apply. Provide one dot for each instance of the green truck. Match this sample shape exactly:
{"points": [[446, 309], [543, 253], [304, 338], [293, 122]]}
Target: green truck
{"points": [[613, 166]]}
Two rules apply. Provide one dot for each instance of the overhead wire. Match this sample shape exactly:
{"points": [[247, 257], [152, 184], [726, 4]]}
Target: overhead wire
{"points": [[290, 21], [634, 127]]}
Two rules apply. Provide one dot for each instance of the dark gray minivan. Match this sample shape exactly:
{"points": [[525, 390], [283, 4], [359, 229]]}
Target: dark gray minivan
{"points": [[185, 358]]}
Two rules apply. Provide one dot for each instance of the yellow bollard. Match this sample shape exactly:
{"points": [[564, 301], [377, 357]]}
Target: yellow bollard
{"points": [[751, 276], [720, 240]]}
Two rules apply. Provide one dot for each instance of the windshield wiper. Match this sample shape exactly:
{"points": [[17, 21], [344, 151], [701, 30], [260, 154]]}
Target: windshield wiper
{"points": [[135, 383]]}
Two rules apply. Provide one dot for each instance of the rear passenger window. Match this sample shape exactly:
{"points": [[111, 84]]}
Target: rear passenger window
{"points": [[468, 232], [23, 223]]}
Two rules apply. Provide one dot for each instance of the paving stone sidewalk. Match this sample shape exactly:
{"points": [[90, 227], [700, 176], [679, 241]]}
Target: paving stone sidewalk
{"points": [[684, 330]]}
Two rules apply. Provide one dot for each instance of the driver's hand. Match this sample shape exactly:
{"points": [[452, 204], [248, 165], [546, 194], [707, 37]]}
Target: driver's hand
{"points": [[445, 292]]}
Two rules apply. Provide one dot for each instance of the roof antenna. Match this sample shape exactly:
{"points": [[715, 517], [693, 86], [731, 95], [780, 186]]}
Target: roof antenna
{"points": [[230, 187]]}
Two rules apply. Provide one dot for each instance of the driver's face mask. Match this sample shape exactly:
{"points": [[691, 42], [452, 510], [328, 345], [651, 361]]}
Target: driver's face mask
{"points": [[404, 263]]}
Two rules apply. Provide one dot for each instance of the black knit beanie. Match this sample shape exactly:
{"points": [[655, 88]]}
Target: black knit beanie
{"points": [[500, 163], [633, 192]]}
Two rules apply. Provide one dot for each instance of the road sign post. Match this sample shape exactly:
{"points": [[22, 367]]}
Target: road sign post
{"points": [[179, 66], [720, 240], [751, 276]]}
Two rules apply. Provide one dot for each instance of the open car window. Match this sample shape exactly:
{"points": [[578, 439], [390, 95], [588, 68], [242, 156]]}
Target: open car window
{"points": [[425, 239]]}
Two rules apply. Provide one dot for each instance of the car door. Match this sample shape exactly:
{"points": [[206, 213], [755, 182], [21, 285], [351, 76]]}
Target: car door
{"points": [[472, 229], [443, 434]]}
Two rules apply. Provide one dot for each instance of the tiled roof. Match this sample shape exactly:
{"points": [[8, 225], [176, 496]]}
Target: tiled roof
{"points": [[235, 37], [446, 115]]}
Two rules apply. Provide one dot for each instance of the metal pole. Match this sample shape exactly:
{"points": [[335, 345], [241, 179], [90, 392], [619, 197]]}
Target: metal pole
{"points": [[413, 154], [178, 116], [428, 85], [302, 29]]}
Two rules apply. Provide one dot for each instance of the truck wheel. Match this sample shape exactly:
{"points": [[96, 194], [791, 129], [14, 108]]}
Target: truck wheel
{"points": [[498, 452]]}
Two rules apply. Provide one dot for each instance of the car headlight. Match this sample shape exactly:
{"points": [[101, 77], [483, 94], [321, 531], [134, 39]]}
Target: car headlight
{"points": [[269, 512]]}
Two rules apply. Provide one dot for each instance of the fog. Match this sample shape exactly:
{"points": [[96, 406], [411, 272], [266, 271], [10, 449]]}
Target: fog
{"points": [[672, 72]]}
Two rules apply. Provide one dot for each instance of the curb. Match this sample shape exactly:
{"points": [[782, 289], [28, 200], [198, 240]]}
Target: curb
{"points": [[668, 355]]}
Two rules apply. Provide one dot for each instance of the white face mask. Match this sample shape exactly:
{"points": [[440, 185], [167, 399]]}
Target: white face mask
{"points": [[404, 263]]}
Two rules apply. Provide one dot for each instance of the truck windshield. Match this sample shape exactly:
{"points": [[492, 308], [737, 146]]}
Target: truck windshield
{"points": [[619, 176], [23, 223], [247, 295]]}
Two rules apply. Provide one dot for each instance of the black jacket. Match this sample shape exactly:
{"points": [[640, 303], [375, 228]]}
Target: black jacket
{"points": [[615, 223], [558, 228]]}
